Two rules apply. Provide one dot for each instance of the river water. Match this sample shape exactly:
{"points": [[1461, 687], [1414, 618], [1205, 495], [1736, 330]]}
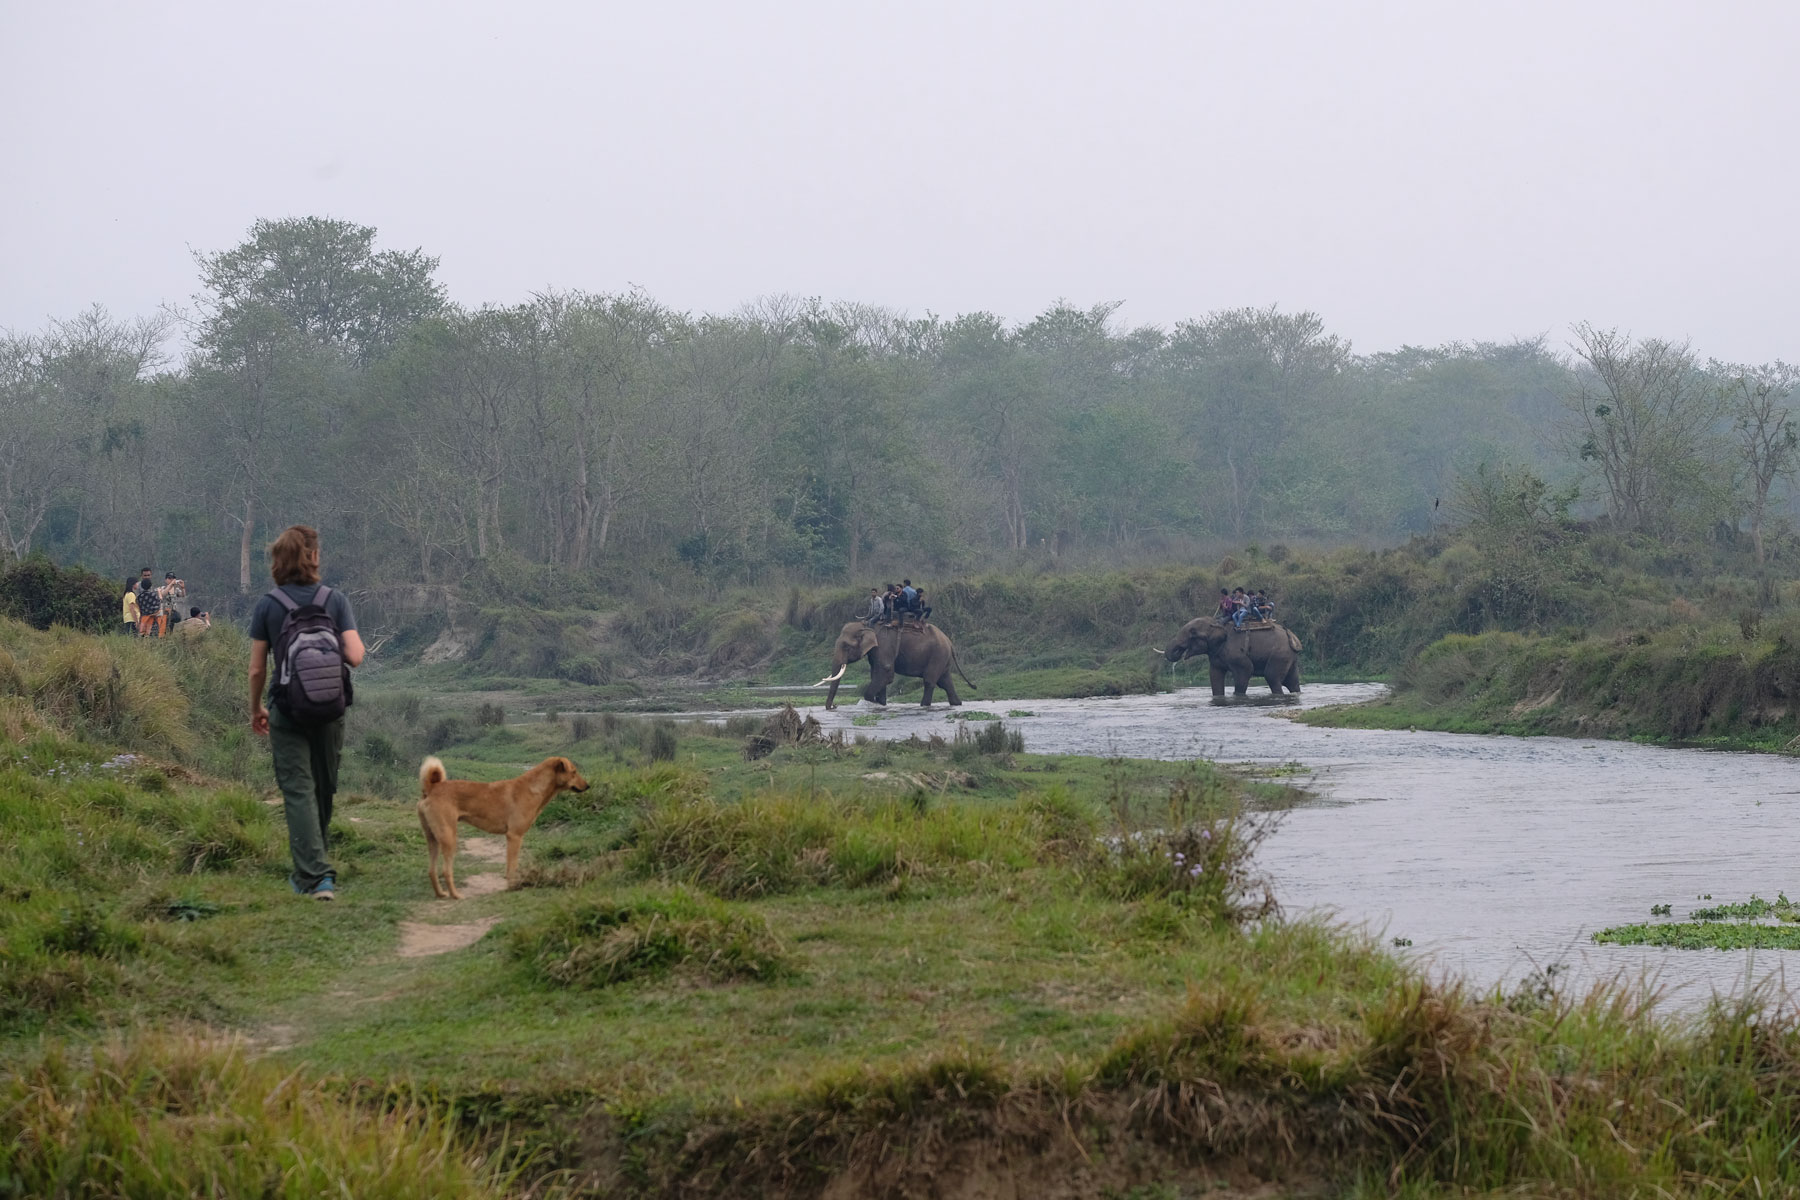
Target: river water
{"points": [[1496, 856]]}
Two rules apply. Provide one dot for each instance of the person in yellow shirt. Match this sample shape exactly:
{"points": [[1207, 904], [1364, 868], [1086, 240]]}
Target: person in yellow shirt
{"points": [[130, 611]]}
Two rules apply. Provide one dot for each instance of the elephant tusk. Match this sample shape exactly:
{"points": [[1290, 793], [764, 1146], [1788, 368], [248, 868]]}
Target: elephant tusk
{"points": [[833, 678], [1160, 651]]}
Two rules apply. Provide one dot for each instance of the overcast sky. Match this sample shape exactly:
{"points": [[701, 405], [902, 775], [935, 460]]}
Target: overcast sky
{"points": [[1414, 172]]}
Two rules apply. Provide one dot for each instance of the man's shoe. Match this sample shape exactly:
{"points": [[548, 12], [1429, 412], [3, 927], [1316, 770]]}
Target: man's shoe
{"points": [[323, 891]]}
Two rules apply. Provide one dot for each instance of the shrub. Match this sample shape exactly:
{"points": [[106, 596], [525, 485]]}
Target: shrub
{"points": [[490, 715], [661, 744], [41, 594], [447, 732], [379, 750], [594, 941], [581, 727], [1204, 867]]}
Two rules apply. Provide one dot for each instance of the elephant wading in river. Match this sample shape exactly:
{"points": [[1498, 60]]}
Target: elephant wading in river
{"points": [[925, 654], [1267, 650]]}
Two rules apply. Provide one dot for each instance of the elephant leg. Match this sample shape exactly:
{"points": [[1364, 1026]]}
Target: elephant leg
{"points": [[1272, 676], [950, 696], [1218, 681], [1292, 682], [1240, 677], [926, 681]]}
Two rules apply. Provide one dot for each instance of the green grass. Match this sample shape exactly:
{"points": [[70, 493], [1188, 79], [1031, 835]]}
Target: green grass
{"points": [[757, 987], [855, 967]]}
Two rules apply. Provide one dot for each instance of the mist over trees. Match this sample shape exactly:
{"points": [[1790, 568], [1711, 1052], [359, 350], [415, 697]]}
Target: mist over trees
{"points": [[608, 436]]}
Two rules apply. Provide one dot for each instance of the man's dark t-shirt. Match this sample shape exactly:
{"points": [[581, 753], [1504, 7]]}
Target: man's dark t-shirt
{"points": [[267, 618]]}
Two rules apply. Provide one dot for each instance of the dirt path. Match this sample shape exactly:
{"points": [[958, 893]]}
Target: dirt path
{"points": [[424, 938]]}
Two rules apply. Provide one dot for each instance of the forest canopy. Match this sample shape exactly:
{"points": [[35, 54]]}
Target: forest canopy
{"points": [[323, 379]]}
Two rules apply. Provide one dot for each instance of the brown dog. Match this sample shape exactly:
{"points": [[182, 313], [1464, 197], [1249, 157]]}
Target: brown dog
{"points": [[508, 807]]}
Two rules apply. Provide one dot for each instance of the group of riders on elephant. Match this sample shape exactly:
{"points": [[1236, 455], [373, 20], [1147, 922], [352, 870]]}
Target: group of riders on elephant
{"points": [[1233, 647]]}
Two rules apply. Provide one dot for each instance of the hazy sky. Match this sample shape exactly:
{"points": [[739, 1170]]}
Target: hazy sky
{"points": [[1414, 172]]}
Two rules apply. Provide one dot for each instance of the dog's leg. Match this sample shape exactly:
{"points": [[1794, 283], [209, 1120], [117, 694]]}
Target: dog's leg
{"points": [[449, 841], [513, 842], [431, 856]]}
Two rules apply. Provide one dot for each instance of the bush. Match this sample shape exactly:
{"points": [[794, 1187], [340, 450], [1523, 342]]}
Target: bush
{"points": [[1203, 867], [662, 742], [594, 941], [447, 732], [490, 715], [41, 594], [379, 750]]}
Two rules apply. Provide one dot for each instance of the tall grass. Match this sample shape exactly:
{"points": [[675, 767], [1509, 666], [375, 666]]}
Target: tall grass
{"points": [[163, 1117]]}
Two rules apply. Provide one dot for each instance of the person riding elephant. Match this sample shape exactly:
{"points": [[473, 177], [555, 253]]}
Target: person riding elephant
{"points": [[1272, 652], [921, 651]]}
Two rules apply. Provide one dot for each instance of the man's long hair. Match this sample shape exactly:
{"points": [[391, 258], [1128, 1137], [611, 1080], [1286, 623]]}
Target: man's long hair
{"points": [[293, 557]]}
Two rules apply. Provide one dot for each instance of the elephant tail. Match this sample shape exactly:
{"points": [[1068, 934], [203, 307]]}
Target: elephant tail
{"points": [[957, 663]]}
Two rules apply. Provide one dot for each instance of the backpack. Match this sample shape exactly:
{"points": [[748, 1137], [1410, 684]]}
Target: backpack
{"points": [[312, 681]]}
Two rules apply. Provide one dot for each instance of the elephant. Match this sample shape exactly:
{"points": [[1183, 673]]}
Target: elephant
{"points": [[1267, 650], [922, 652]]}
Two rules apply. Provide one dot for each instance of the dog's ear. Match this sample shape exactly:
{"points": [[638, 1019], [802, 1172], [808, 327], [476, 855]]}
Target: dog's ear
{"points": [[565, 767]]}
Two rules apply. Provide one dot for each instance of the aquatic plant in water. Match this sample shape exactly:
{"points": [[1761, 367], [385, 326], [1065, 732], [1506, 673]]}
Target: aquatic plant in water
{"points": [[1704, 935], [1740, 926]]}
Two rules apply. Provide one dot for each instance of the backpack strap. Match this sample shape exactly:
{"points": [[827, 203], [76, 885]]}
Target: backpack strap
{"points": [[286, 601]]}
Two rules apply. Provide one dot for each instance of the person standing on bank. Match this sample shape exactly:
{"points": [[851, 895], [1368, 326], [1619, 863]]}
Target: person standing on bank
{"points": [[310, 631]]}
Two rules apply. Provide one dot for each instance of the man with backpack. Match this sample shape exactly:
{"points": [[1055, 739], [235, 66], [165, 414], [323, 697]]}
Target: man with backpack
{"points": [[308, 631]]}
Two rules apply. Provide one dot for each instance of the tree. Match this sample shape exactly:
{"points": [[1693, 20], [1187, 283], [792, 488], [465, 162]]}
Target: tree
{"points": [[1240, 379], [253, 398], [1757, 399], [996, 390], [57, 392], [603, 383], [1518, 523], [327, 278], [1644, 417]]}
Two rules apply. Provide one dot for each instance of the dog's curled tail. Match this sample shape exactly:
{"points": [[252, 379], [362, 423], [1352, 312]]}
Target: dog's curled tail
{"points": [[431, 772]]}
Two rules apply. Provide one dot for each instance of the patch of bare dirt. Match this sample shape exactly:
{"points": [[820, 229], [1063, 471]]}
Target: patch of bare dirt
{"points": [[485, 884], [1533, 704], [483, 849], [419, 940]]}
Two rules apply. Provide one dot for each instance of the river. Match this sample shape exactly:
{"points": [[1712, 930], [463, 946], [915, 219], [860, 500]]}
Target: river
{"points": [[1495, 856]]}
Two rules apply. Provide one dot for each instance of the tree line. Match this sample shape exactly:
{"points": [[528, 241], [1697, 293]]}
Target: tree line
{"points": [[326, 380]]}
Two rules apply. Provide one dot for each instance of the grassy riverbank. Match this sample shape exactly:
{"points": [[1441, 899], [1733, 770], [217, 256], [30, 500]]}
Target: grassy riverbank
{"points": [[834, 969], [1734, 686], [1360, 613]]}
